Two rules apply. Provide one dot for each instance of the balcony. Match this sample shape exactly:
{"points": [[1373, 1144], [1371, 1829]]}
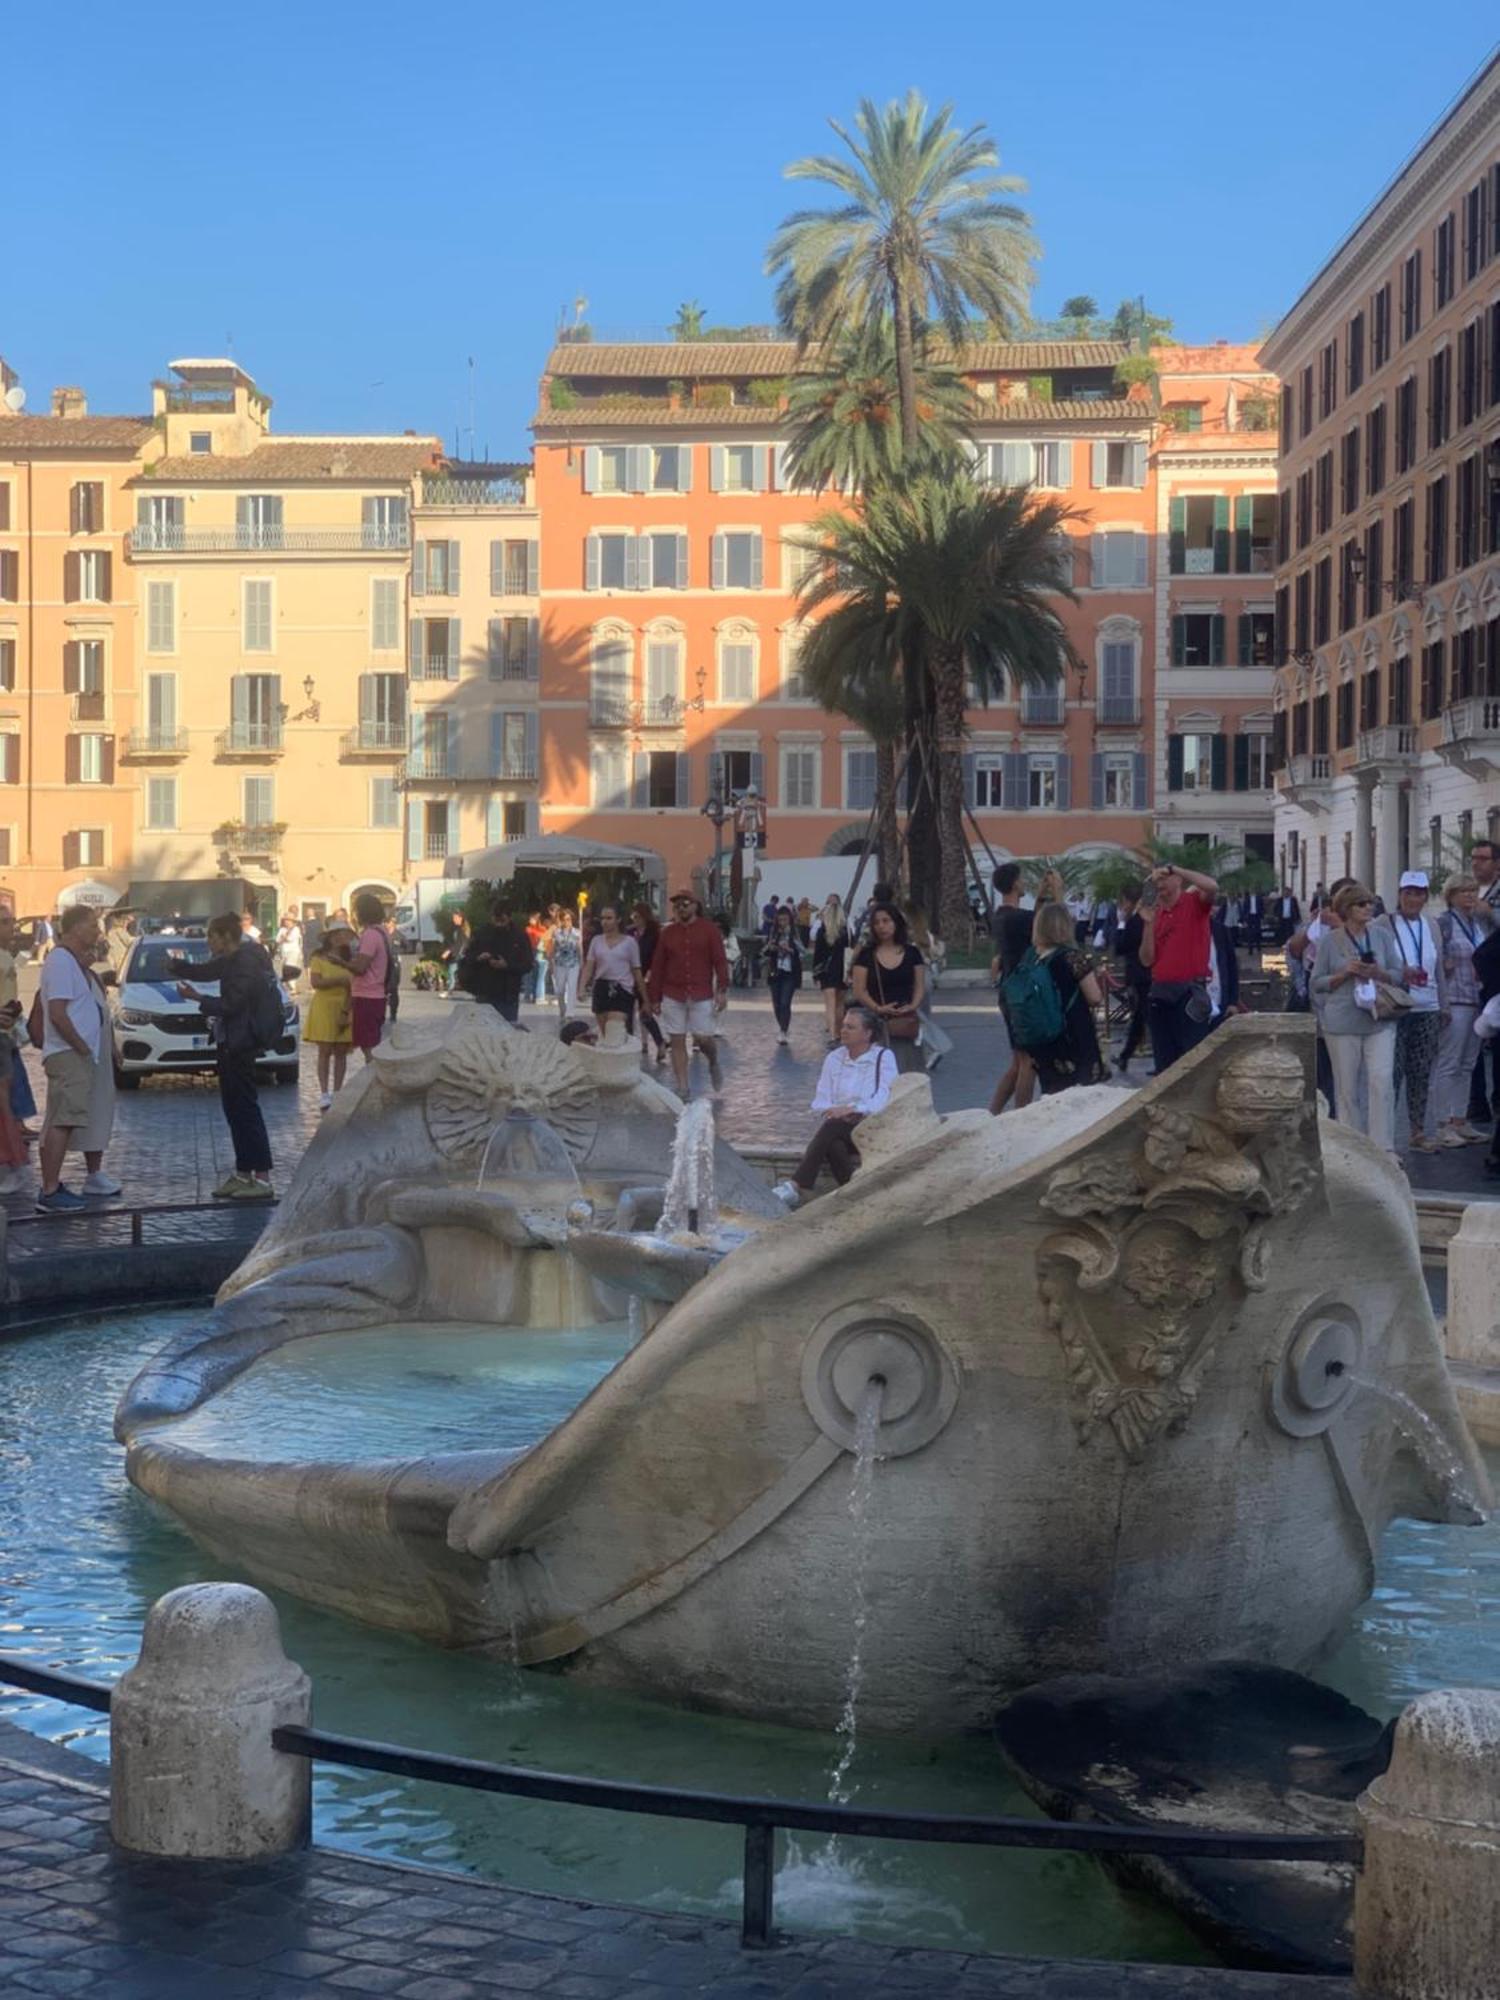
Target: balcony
{"points": [[373, 739], [1392, 744], [664, 711], [1307, 781], [1471, 735], [1043, 711], [439, 770], [242, 839], [168, 539], [141, 744], [250, 739], [1117, 711], [473, 493]]}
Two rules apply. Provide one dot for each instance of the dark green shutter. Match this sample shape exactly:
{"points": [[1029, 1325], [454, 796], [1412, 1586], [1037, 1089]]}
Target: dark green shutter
{"points": [[1174, 763], [1216, 640], [1247, 640], [1242, 763], [1220, 764], [1244, 516], [1221, 533], [1179, 640], [1177, 536]]}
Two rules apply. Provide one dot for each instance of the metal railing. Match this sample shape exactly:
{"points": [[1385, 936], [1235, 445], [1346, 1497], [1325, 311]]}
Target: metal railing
{"points": [[156, 743], [473, 493], [170, 540], [474, 771], [373, 739], [250, 839], [1302, 771], [760, 1818], [1043, 710], [249, 739], [1117, 709], [137, 1220]]}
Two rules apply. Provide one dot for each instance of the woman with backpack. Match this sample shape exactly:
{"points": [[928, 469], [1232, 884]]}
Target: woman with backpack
{"points": [[245, 1017], [1049, 1002]]}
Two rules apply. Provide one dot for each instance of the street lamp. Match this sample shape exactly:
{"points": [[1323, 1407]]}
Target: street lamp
{"points": [[1400, 587]]}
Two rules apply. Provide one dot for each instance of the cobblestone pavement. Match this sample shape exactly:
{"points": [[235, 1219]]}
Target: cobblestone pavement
{"points": [[80, 1917]]}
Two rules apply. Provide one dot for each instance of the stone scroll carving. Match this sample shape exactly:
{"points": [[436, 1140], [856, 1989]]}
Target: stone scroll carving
{"points": [[1164, 1241]]}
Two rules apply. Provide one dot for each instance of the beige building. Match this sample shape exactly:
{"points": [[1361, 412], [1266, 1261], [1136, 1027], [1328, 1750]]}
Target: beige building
{"points": [[1388, 565], [471, 770], [272, 578]]}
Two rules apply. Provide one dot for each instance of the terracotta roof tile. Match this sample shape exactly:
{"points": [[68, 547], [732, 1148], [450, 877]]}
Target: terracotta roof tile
{"points": [[603, 413], [694, 359], [1027, 411], [292, 458], [72, 433]]}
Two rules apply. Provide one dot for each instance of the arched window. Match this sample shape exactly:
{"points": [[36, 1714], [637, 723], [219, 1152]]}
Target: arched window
{"points": [[664, 656], [610, 663], [739, 664]]}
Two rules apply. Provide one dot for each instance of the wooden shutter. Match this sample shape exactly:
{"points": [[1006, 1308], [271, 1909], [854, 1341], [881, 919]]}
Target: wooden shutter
{"points": [[760, 476], [494, 823], [1064, 465], [1218, 763], [71, 760], [533, 734], [368, 714], [7, 665], [497, 744], [1174, 763], [757, 560], [4, 507], [638, 468], [496, 637], [1142, 559], [778, 469], [591, 562], [717, 577], [716, 468], [533, 567], [1097, 547], [70, 577], [971, 780], [1096, 780], [1242, 763], [680, 562], [641, 786], [75, 507], [1140, 782], [1137, 465], [417, 662], [12, 743], [419, 569], [72, 669], [1177, 536], [10, 576], [1216, 640], [1244, 517], [455, 647], [413, 830], [684, 779], [1246, 645], [454, 551], [70, 850], [107, 760], [533, 648], [637, 562], [1221, 533], [497, 569], [1013, 787], [1179, 640], [716, 785], [1064, 782], [757, 772]]}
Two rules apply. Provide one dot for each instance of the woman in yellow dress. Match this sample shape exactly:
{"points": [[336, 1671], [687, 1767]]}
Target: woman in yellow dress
{"points": [[329, 1016]]}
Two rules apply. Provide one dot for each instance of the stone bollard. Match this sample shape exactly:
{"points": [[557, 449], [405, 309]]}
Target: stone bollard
{"points": [[1473, 1325], [192, 1768], [1427, 1900]]}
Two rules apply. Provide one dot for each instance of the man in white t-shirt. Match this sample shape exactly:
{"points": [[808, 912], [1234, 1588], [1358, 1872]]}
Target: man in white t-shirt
{"points": [[76, 1040]]}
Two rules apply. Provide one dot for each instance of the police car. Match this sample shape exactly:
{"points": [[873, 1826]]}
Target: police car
{"points": [[157, 1032]]}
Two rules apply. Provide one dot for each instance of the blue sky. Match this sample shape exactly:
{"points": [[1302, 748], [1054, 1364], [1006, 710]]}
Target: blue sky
{"points": [[363, 197]]}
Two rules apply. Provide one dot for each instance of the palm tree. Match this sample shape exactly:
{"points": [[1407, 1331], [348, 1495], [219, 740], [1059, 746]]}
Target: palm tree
{"points": [[842, 420], [964, 577], [925, 233]]}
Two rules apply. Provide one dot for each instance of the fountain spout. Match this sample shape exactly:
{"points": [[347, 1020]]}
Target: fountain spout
{"points": [[689, 1206]]}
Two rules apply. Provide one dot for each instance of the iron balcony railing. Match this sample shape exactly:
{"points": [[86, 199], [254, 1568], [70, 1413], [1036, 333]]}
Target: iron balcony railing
{"points": [[373, 739], [201, 402], [473, 493], [249, 739], [1117, 710], [435, 848], [167, 539], [1043, 710], [250, 839], [156, 743], [420, 770]]}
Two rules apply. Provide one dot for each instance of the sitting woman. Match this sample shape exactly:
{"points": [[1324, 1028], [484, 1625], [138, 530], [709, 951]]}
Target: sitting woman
{"points": [[1073, 1056], [855, 1082]]}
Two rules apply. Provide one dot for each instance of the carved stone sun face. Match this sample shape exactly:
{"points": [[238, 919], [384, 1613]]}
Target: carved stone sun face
{"points": [[483, 1072]]}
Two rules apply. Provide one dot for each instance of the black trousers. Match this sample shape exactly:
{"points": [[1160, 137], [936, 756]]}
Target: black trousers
{"points": [[783, 986], [1481, 1102], [241, 1102], [1172, 1033], [506, 1005], [831, 1146], [1136, 1032]]}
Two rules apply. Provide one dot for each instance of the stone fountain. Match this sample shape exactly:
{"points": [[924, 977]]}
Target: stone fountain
{"points": [[1136, 1358]]}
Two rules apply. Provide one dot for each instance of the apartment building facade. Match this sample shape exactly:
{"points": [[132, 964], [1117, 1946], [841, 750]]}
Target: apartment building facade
{"points": [[1214, 469], [1388, 571], [470, 771], [68, 684], [671, 627]]}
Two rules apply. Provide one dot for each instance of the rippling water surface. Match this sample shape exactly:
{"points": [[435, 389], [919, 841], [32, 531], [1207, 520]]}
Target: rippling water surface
{"points": [[82, 1555]]}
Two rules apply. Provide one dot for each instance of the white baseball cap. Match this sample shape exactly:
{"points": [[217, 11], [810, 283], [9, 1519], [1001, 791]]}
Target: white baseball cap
{"points": [[1414, 878]]}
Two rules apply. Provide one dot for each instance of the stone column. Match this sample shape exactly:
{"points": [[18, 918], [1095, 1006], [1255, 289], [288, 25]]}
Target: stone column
{"points": [[192, 1768], [1388, 838], [1427, 1900], [1364, 834]]}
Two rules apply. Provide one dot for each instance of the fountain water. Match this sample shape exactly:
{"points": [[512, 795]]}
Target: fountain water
{"points": [[689, 1207], [861, 1487], [1433, 1451]]}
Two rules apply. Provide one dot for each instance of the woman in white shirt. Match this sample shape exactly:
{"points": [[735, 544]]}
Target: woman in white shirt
{"points": [[1419, 1030], [855, 1082]]}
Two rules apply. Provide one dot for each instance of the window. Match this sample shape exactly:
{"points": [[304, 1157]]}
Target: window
{"points": [[1354, 353], [1041, 783], [1183, 416], [86, 507], [382, 712], [1374, 568], [1411, 296], [1403, 548], [87, 576], [159, 521], [257, 521], [435, 569], [161, 711], [1119, 561], [1444, 261], [1369, 700], [735, 771], [1302, 613], [609, 682], [1053, 465], [662, 562], [383, 521], [609, 776], [793, 686], [671, 468], [1257, 638], [385, 614], [200, 443], [663, 676], [1117, 776], [10, 757], [1257, 413], [1433, 676], [737, 670], [801, 562], [1323, 601], [258, 800], [1254, 756], [737, 560], [7, 665], [661, 776], [513, 569], [161, 617], [1470, 370], [987, 782], [1406, 424], [1118, 465], [83, 678], [1117, 702], [1476, 228], [610, 562], [385, 802], [514, 648], [4, 506], [1348, 587], [436, 649], [610, 464], [1286, 418], [1304, 509], [1439, 397], [1198, 639], [1256, 526], [1198, 541], [738, 468], [1349, 471], [1380, 328], [1328, 379], [255, 712], [1375, 450], [161, 802], [1195, 762], [799, 777], [513, 744], [84, 848], [859, 779], [256, 635], [1466, 513], [1305, 402], [1437, 530], [1344, 715], [1323, 494], [89, 760]]}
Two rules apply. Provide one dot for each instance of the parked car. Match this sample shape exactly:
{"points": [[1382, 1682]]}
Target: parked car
{"points": [[156, 1032]]}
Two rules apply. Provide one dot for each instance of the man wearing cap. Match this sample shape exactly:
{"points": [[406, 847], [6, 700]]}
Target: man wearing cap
{"points": [[1419, 1029], [688, 985]]}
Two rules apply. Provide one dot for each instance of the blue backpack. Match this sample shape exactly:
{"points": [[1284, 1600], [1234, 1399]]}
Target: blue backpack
{"points": [[1033, 1010]]}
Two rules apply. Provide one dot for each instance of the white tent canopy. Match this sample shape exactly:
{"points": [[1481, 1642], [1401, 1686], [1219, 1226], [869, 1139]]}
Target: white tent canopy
{"points": [[562, 851]]}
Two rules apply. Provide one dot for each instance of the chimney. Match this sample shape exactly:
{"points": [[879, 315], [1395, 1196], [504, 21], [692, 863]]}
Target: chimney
{"points": [[69, 402]]}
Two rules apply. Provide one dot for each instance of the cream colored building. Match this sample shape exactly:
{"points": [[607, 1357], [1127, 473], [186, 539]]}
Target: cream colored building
{"points": [[272, 579], [471, 772]]}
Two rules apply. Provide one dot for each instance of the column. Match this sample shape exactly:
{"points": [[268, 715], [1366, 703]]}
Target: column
{"points": [[1364, 834], [1388, 838]]}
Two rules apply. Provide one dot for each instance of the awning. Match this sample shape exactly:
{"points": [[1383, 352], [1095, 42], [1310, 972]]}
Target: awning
{"points": [[565, 852], [211, 898], [101, 895]]}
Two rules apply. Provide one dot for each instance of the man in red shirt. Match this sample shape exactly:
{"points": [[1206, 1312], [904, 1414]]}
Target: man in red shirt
{"points": [[688, 985], [1175, 947]]}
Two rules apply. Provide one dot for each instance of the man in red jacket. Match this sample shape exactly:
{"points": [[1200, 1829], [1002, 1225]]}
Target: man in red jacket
{"points": [[688, 985]]}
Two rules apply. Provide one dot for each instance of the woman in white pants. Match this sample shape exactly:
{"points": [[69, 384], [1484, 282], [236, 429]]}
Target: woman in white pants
{"points": [[1352, 965], [1459, 929]]}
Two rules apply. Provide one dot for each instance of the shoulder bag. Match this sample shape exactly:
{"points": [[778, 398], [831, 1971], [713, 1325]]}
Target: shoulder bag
{"points": [[898, 1027]]}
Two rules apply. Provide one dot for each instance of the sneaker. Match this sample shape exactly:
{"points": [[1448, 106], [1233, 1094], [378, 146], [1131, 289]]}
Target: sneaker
{"points": [[249, 1188], [715, 1074], [1467, 1133], [1420, 1143], [1453, 1137], [102, 1183], [226, 1188], [788, 1193], [61, 1201], [325, 1101], [782, 1039]]}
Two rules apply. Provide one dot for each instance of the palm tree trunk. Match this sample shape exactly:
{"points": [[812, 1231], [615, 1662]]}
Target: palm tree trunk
{"points": [[906, 364], [887, 834], [955, 918]]}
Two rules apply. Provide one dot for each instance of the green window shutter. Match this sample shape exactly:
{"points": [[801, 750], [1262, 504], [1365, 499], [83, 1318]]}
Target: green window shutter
{"points": [[1242, 763], [1219, 759], [1246, 640], [1244, 515], [1177, 536], [1216, 640], [1179, 640], [1174, 763], [1221, 533]]}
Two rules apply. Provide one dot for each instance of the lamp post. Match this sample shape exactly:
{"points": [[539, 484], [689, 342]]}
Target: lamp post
{"points": [[715, 812]]}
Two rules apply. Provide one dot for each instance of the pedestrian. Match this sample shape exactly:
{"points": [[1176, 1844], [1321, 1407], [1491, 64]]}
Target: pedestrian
{"points": [[392, 970], [805, 923], [890, 979], [689, 986], [330, 1022], [1223, 968], [118, 938], [1355, 963], [13, 1140], [1461, 935], [783, 969], [612, 973], [536, 937], [286, 953], [1288, 916], [46, 937], [1175, 947], [498, 963], [1252, 920], [245, 1017], [1484, 1083], [854, 1083], [646, 930], [1134, 977], [249, 928], [1010, 927], [454, 946], [564, 955], [18, 1091], [369, 963], [1058, 1034], [830, 952], [768, 916], [1419, 1031], [78, 1059]]}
